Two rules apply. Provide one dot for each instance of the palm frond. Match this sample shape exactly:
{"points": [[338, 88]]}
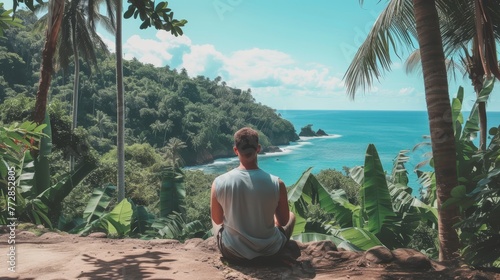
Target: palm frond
{"points": [[394, 27]]}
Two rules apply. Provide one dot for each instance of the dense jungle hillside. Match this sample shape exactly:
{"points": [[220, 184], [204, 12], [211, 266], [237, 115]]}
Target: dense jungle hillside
{"points": [[161, 103]]}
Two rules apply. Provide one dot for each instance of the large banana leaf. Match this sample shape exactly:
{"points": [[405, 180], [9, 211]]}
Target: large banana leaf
{"points": [[295, 191], [299, 201], [359, 237], [142, 219], [404, 202], [98, 203], [38, 212], [357, 173], [308, 190], [456, 113], [472, 125], [399, 172], [120, 218], [314, 191], [55, 194], [172, 195], [26, 175], [313, 236], [194, 229], [343, 210], [170, 226], [300, 221], [376, 200]]}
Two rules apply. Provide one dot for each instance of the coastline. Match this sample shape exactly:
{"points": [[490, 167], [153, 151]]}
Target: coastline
{"points": [[283, 150]]}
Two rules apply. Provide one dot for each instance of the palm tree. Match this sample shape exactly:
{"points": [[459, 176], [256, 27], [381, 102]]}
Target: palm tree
{"points": [[482, 64], [439, 111], [79, 36], [470, 24], [55, 16], [398, 23], [102, 122], [159, 16], [172, 152]]}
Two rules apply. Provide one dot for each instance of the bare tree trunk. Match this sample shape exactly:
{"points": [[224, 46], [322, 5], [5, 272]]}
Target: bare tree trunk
{"points": [[56, 11], [76, 84], [120, 105], [440, 122]]}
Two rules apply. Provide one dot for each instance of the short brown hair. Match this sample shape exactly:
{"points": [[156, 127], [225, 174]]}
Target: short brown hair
{"points": [[246, 139]]}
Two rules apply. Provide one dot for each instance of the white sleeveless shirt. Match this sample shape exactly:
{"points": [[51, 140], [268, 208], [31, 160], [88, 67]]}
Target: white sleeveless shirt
{"points": [[249, 199]]}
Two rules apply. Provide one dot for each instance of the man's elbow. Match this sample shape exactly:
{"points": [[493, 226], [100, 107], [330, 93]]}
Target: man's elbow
{"points": [[282, 220], [217, 221]]}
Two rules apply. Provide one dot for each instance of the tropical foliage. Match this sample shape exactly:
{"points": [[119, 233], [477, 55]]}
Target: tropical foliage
{"points": [[173, 119], [478, 194], [161, 104], [387, 213]]}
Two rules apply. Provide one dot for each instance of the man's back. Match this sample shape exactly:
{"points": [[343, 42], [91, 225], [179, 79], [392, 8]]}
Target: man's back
{"points": [[249, 199]]}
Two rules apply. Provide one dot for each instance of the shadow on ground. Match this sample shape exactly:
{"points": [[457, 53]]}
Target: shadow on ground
{"points": [[132, 266]]}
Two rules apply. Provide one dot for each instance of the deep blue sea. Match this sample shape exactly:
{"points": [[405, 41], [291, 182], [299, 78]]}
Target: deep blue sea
{"points": [[349, 132]]}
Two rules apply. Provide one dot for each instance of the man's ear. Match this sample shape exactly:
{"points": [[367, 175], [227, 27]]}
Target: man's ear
{"points": [[259, 147], [235, 150]]}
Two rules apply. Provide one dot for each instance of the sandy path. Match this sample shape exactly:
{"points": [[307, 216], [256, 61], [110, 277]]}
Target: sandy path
{"points": [[69, 257]]}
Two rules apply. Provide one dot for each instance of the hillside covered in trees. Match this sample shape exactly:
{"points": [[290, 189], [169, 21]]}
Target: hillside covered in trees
{"points": [[161, 103]]}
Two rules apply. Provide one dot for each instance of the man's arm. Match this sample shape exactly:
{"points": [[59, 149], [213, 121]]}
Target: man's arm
{"points": [[215, 207], [282, 214]]}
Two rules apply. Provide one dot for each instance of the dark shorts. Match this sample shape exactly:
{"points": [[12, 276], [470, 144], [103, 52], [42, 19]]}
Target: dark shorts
{"points": [[232, 257]]}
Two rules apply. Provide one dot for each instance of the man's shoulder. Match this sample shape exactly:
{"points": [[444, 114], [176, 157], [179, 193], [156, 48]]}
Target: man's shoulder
{"points": [[227, 174]]}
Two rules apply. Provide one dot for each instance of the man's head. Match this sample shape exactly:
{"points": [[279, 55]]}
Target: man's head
{"points": [[246, 141]]}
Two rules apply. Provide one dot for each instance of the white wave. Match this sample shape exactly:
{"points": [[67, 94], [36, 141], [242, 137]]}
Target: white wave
{"points": [[285, 150], [223, 161], [304, 138]]}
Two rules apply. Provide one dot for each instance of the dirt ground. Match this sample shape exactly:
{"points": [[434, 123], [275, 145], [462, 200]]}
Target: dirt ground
{"points": [[63, 256]]}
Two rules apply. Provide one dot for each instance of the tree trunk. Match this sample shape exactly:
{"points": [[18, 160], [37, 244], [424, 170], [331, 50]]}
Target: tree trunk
{"points": [[76, 83], [56, 11], [120, 105], [440, 121]]}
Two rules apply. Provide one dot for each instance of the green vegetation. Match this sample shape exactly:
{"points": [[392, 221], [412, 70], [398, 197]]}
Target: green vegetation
{"points": [[173, 120]]}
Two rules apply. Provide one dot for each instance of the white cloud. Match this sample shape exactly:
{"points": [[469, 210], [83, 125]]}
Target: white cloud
{"points": [[201, 59], [109, 43], [407, 90], [265, 71]]}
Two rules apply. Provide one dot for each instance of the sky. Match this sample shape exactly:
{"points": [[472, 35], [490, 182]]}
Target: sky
{"points": [[291, 54]]}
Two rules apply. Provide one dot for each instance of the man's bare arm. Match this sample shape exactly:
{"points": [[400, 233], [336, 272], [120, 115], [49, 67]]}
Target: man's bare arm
{"points": [[215, 208], [282, 214]]}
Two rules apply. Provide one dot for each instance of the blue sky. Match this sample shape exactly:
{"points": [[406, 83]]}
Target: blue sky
{"points": [[291, 54]]}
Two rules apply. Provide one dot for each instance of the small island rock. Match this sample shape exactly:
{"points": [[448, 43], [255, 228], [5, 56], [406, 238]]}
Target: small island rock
{"points": [[321, 132]]}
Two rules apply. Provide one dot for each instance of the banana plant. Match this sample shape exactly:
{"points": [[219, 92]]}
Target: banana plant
{"points": [[387, 214], [172, 191], [478, 194], [37, 199], [96, 217]]}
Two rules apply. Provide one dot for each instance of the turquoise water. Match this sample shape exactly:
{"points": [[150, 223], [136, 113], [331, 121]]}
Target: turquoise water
{"points": [[349, 132]]}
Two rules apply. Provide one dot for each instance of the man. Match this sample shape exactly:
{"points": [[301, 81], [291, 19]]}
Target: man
{"points": [[249, 207]]}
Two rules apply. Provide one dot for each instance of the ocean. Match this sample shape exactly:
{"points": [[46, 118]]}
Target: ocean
{"points": [[349, 134]]}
